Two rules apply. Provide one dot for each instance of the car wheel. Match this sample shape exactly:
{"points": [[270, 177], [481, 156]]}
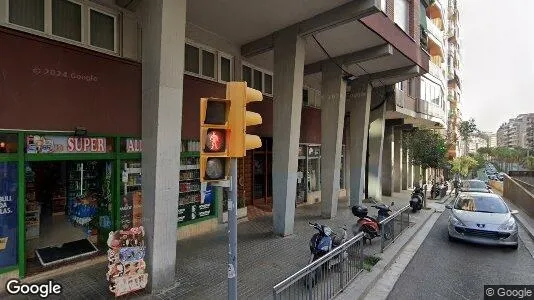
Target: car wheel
{"points": [[515, 247]]}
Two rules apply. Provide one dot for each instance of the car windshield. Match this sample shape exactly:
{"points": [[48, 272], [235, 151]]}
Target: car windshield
{"points": [[481, 204], [474, 185]]}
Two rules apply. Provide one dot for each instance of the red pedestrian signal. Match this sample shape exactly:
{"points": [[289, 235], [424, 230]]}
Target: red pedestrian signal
{"points": [[214, 137]]}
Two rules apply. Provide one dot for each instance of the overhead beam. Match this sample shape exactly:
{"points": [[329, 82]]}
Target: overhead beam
{"points": [[352, 58], [337, 16], [394, 122], [128, 4], [395, 75]]}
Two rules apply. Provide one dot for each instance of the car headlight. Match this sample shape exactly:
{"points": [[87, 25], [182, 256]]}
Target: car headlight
{"points": [[509, 225], [455, 221]]}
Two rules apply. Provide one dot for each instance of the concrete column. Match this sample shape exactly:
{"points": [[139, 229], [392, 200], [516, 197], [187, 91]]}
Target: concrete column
{"points": [[162, 90], [287, 89], [397, 159], [376, 146], [333, 97], [387, 162], [359, 107], [405, 172], [410, 173]]}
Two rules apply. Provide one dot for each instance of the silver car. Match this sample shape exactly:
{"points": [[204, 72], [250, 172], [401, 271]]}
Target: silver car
{"points": [[482, 218]]}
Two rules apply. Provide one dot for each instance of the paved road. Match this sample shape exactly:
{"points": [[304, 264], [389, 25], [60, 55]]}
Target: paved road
{"points": [[444, 270]]}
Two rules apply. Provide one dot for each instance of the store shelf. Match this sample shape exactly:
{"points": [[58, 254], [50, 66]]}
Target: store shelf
{"points": [[190, 179], [189, 167], [193, 191], [134, 170], [189, 154]]}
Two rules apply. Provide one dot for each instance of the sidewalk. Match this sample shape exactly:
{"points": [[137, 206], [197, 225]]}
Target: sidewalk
{"points": [[264, 259]]}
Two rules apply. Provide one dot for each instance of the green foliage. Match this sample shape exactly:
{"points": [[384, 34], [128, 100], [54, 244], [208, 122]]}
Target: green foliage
{"points": [[463, 165], [369, 262], [467, 129], [427, 148], [529, 162]]}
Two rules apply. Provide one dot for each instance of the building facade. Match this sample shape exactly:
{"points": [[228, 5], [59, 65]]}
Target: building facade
{"points": [[102, 92], [454, 77], [517, 132]]}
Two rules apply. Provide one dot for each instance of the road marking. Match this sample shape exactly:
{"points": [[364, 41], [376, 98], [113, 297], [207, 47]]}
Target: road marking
{"points": [[385, 284]]}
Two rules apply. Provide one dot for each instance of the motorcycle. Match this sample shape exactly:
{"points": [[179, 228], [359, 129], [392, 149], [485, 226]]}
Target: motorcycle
{"points": [[417, 198], [371, 226], [324, 241], [321, 243]]}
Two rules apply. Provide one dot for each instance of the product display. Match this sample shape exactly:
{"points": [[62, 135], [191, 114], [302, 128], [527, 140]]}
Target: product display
{"points": [[195, 199], [126, 265]]}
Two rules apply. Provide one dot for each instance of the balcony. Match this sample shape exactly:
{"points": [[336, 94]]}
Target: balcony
{"points": [[424, 39], [431, 111], [434, 30], [437, 72], [453, 35]]}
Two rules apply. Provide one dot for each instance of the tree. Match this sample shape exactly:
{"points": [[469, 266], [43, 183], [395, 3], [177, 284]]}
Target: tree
{"points": [[467, 129], [463, 165], [427, 149], [529, 162]]}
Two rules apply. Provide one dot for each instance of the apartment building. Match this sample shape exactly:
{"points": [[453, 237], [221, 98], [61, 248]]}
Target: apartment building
{"points": [[517, 132], [476, 143], [436, 94]]}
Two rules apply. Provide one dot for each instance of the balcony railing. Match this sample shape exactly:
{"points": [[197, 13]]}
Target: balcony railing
{"points": [[437, 72], [424, 39], [434, 31], [431, 109]]}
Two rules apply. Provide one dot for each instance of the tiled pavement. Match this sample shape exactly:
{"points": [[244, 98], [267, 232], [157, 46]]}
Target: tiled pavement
{"points": [[264, 259]]}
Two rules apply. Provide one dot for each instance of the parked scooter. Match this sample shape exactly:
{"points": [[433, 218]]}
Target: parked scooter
{"points": [[416, 201], [324, 240], [368, 225], [321, 243]]}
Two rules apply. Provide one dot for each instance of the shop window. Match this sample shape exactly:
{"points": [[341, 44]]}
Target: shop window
{"points": [[8, 214], [225, 68], [258, 82], [247, 75], [27, 13], [67, 19], [258, 79], [102, 30], [268, 84], [192, 59], [208, 64], [8, 143], [305, 97]]}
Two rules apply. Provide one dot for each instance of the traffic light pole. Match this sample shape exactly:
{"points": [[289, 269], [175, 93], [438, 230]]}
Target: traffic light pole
{"points": [[232, 231]]}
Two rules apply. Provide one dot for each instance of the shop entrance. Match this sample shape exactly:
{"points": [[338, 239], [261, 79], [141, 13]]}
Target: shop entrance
{"points": [[68, 210], [262, 175]]}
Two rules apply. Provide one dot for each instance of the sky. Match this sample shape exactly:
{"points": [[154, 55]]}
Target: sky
{"points": [[497, 47]]}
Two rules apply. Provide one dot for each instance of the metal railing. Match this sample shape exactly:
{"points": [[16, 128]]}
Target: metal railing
{"points": [[393, 226], [327, 276]]}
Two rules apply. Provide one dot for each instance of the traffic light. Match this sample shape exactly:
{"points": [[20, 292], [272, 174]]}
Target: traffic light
{"points": [[239, 95], [214, 137]]}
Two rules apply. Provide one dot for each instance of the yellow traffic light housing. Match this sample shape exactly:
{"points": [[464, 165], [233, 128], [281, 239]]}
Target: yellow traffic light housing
{"points": [[239, 118], [214, 139]]}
